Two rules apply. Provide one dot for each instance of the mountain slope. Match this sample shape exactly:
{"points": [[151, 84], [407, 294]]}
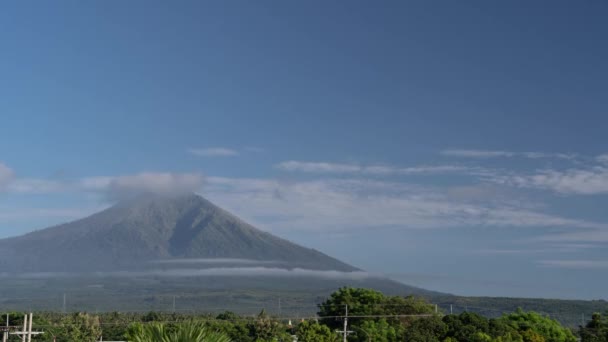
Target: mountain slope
{"points": [[152, 227]]}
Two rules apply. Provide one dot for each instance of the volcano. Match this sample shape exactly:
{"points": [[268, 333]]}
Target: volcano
{"points": [[155, 229]]}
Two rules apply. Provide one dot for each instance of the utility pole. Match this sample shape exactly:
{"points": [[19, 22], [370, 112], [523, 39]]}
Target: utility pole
{"points": [[26, 334], [5, 333], [29, 330], [450, 309], [346, 332], [173, 303], [345, 322], [64, 303], [583, 320]]}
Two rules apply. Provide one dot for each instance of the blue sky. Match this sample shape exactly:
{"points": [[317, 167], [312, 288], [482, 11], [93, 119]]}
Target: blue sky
{"points": [[456, 146]]}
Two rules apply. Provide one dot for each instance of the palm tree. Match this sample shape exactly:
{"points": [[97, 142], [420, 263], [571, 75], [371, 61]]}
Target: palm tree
{"points": [[185, 332]]}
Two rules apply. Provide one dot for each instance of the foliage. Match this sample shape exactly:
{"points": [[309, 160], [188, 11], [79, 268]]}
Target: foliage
{"points": [[314, 332], [596, 330], [363, 304], [466, 326], [236, 329], [430, 329], [227, 316], [373, 316], [265, 329], [184, 332], [532, 326], [76, 327], [366, 302]]}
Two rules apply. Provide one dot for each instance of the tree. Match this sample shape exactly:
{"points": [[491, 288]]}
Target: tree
{"points": [[366, 302], [380, 330], [361, 302], [431, 329], [466, 326], [596, 330], [530, 324], [77, 327], [227, 316], [235, 329], [308, 331], [532, 336], [265, 329], [185, 332]]}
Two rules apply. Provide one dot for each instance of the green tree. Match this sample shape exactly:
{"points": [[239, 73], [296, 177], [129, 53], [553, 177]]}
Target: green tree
{"points": [[184, 332], [366, 302], [237, 330], [464, 327], [265, 329], [308, 331], [431, 329], [378, 330], [76, 327], [529, 324], [227, 316], [596, 330], [481, 337], [360, 302], [532, 336]]}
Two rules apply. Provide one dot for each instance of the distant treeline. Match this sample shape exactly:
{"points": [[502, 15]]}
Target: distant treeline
{"points": [[372, 316]]}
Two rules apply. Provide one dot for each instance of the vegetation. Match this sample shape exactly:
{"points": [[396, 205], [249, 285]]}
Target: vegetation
{"points": [[185, 332], [372, 316], [596, 330], [248, 295]]}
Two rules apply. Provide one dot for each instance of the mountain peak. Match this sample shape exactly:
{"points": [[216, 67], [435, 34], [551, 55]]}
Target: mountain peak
{"points": [[154, 227], [150, 197]]}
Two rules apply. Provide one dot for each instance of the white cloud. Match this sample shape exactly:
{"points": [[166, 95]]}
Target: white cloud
{"points": [[249, 271], [213, 152], [217, 272], [6, 175], [575, 264], [99, 183], [504, 154], [588, 235], [337, 168], [153, 182], [114, 186], [586, 181], [602, 158], [337, 205], [546, 248], [319, 167]]}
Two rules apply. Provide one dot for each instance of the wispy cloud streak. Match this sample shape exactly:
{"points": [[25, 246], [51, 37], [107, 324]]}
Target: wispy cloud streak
{"points": [[327, 205], [575, 264], [211, 272], [213, 152], [584, 181], [505, 154], [338, 168], [6, 175]]}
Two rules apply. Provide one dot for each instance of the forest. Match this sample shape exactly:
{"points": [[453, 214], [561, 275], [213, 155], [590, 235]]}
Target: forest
{"points": [[370, 316]]}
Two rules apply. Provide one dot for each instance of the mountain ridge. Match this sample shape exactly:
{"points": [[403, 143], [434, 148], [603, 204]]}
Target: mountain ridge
{"points": [[153, 227]]}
